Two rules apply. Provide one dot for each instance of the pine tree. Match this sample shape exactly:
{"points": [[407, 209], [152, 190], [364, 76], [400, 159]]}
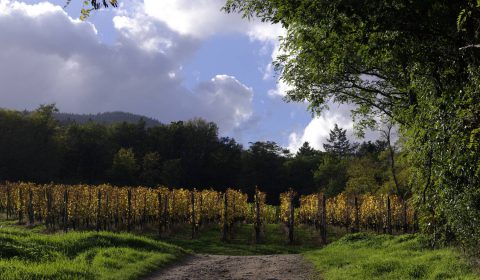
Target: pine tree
{"points": [[338, 143]]}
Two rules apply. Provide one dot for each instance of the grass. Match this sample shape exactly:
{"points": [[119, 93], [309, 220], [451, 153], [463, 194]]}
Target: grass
{"points": [[242, 242], [29, 254], [368, 256]]}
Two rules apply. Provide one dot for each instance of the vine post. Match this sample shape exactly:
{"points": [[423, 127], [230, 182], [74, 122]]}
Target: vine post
{"points": [[257, 216], [20, 209], [389, 216], [99, 209], [323, 220], [31, 218], [129, 210], [225, 216], [357, 216], [291, 218], [192, 202], [65, 210], [159, 213]]}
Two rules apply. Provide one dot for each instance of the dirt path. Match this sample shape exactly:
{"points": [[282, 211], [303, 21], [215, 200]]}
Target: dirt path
{"points": [[217, 267]]}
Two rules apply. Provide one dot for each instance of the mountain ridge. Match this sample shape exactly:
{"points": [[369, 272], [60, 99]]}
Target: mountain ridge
{"points": [[105, 118]]}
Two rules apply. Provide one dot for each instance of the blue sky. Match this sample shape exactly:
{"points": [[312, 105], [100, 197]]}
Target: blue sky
{"points": [[169, 60]]}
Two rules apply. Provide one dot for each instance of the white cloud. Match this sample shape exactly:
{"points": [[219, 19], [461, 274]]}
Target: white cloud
{"points": [[8, 7], [203, 18], [281, 89], [317, 131], [49, 57]]}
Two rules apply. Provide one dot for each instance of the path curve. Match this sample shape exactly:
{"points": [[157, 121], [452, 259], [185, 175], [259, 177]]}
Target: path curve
{"points": [[221, 267]]}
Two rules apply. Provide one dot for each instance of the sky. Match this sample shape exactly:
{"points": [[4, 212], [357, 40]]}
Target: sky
{"points": [[169, 60]]}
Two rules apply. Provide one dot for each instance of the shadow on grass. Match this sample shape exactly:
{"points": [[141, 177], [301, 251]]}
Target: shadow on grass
{"points": [[274, 240]]}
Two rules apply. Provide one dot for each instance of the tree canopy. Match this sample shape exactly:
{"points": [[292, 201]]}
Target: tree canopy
{"points": [[407, 60]]}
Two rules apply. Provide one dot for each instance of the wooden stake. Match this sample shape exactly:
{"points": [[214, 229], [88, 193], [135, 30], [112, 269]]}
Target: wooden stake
{"points": [[192, 200], [225, 216], [257, 216], [129, 213], [31, 218], [65, 210]]}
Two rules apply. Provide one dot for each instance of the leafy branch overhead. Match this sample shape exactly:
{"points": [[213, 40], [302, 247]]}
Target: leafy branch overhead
{"points": [[89, 6], [417, 62]]}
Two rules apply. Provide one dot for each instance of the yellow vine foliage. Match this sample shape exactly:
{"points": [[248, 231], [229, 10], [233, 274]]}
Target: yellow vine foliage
{"points": [[87, 206]]}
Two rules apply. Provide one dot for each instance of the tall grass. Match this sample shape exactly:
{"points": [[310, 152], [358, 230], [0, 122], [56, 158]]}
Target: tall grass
{"points": [[28, 254], [365, 256]]}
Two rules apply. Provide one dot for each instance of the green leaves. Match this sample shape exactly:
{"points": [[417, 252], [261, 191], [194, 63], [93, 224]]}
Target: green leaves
{"points": [[89, 6], [401, 60], [474, 143]]}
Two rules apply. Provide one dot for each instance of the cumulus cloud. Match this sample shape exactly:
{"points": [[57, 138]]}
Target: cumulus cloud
{"points": [[317, 131], [204, 18], [227, 100], [280, 90], [48, 57]]}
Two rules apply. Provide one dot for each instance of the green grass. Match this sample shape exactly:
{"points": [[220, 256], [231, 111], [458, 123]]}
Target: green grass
{"points": [[32, 254], [366, 256], [29, 254], [242, 242]]}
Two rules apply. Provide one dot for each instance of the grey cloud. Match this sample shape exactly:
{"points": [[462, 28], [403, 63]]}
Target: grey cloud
{"points": [[226, 100], [49, 58]]}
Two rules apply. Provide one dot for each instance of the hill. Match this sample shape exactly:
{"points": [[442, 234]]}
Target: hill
{"points": [[105, 118]]}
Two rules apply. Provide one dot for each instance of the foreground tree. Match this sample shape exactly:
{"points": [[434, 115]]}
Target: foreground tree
{"points": [[402, 59], [89, 6]]}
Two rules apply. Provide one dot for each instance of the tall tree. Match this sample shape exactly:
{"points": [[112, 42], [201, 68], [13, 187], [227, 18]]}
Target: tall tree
{"points": [[331, 175], [300, 169], [263, 166], [403, 59], [29, 145], [338, 143], [124, 167]]}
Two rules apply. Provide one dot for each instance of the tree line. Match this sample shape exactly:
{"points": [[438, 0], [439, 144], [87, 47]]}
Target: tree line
{"points": [[35, 147]]}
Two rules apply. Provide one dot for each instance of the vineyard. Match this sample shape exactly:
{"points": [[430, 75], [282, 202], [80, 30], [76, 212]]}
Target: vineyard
{"points": [[105, 207]]}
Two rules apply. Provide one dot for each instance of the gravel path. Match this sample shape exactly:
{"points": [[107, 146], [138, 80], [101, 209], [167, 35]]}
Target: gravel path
{"points": [[219, 267]]}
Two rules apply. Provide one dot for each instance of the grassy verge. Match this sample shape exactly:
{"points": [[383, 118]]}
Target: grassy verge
{"points": [[242, 241], [365, 256], [29, 254]]}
